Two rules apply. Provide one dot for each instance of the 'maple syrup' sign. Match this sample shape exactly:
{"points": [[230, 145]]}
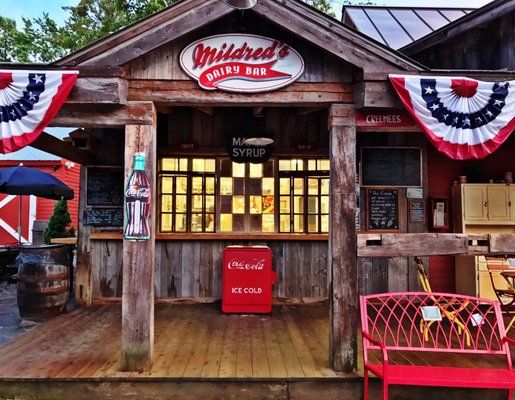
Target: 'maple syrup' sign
{"points": [[241, 63]]}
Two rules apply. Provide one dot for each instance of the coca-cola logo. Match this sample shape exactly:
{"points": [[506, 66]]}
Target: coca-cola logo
{"points": [[139, 193], [254, 264], [241, 63]]}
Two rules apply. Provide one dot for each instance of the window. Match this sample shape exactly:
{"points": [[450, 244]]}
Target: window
{"points": [[218, 195]]}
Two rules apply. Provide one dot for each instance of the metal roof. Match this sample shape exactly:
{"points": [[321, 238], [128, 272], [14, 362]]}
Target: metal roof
{"points": [[397, 27], [29, 153]]}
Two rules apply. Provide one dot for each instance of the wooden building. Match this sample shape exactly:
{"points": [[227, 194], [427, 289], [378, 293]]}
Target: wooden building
{"points": [[346, 161]]}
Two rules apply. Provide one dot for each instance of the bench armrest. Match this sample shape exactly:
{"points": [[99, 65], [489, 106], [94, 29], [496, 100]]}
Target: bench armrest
{"points": [[508, 340], [382, 346]]}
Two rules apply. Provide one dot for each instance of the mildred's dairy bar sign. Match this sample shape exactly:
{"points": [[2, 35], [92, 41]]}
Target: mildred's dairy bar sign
{"points": [[241, 63]]}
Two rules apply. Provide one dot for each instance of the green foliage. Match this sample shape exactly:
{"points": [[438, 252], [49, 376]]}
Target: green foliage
{"points": [[59, 222], [322, 5], [42, 40]]}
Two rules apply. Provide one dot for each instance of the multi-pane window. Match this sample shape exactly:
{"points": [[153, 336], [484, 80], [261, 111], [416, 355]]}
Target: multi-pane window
{"points": [[219, 195]]}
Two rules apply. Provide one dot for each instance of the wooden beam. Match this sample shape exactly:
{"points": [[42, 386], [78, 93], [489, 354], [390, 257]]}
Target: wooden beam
{"points": [[188, 93], [98, 90], [105, 116], [139, 263], [52, 145], [343, 296], [376, 94]]}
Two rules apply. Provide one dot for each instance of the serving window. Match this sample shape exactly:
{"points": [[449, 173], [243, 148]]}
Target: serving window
{"points": [[219, 195]]}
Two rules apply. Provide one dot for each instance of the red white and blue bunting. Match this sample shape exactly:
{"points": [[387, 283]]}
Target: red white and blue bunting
{"points": [[28, 102], [462, 117]]}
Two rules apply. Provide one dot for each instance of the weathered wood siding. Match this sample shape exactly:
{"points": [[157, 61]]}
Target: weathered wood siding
{"points": [[193, 268], [163, 63]]}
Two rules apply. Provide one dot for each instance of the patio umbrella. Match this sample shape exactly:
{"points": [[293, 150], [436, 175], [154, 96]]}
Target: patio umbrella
{"points": [[21, 180]]}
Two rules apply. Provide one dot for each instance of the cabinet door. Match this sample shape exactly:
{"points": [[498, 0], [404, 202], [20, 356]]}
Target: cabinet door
{"points": [[497, 203], [474, 203], [511, 203]]}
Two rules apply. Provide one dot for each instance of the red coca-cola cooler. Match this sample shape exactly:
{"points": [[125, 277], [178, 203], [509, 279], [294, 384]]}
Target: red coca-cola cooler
{"points": [[247, 279]]}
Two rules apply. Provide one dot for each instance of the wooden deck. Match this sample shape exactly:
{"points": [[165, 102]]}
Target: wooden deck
{"points": [[200, 353]]}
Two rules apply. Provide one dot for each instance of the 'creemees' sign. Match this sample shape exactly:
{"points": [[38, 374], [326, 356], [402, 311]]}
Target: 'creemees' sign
{"points": [[241, 63]]}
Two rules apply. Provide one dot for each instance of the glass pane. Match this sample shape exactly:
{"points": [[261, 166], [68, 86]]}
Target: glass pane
{"points": [[412, 23], [433, 18], [284, 223], [324, 183], [312, 165], [181, 184], [183, 164], [268, 205], [312, 223], [284, 185], [166, 203], [197, 165], [210, 165], [255, 205], [298, 186], [196, 203], [453, 14], [180, 203], [239, 186], [210, 222], [238, 170], [225, 185], [180, 223], [284, 165], [196, 184], [312, 205], [390, 29], [297, 165], [166, 222], [210, 203], [268, 223], [226, 204], [256, 224], [255, 186], [167, 184], [285, 205], [325, 224], [363, 24], [267, 186], [196, 222], [324, 204], [210, 185], [298, 223], [298, 204], [169, 164], [226, 222], [256, 170], [312, 186], [323, 165], [238, 205]]}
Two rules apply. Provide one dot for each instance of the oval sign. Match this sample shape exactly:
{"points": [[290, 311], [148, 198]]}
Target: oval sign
{"points": [[241, 63]]}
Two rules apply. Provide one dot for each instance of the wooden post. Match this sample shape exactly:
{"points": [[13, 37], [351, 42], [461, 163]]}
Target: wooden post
{"points": [[342, 259], [139, 263]]}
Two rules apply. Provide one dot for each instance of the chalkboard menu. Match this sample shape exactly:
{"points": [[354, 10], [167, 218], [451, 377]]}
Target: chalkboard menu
{"points": [[104, 186], [417, 211], [391, 166], [104, 217], [383, 209]]}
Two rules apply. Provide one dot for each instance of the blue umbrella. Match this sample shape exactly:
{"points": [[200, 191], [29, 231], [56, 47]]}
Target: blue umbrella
{"points": [[21, 180]]}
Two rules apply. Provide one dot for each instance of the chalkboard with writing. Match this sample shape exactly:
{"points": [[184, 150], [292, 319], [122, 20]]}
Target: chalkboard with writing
{"points": [[104, 186], [104, 217], [391, 166], [383, 209]]}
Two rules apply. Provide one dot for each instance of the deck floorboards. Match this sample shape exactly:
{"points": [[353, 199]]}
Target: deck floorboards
{"points": [[191, 341]]}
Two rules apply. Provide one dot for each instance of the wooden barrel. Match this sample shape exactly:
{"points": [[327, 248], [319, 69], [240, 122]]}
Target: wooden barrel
{"points": [[43, 281]]}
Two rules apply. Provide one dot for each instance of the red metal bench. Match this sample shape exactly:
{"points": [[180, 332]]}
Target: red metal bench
{"points": [[390, 323]]}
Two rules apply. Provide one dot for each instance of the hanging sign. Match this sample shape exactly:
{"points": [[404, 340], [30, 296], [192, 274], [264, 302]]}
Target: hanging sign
{"points": [[241, 63], [384, 118], [241, 152]]}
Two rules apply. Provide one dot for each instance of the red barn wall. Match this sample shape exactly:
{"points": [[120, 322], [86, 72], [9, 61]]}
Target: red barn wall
{"points": [[442, 172]]}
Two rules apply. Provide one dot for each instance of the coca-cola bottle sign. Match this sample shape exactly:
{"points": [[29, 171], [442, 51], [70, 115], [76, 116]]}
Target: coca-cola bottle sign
{"points": [[137, 202]]}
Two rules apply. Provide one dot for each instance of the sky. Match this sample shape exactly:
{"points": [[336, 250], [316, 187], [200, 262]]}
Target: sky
{"points": [[34, 8]]}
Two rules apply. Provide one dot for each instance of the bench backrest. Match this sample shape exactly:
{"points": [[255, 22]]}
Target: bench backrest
{"points": [[395, 320]]}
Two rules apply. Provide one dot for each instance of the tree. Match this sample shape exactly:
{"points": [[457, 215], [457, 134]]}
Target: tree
{"points": [[59, 223], [42, 40]]}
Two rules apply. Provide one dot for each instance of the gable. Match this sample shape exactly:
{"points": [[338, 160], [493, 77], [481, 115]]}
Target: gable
{"points": [[186, 17]]}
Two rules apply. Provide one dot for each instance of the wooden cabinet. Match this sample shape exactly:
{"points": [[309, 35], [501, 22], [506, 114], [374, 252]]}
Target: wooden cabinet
{"points": [[473, 279], [483, 204]]}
